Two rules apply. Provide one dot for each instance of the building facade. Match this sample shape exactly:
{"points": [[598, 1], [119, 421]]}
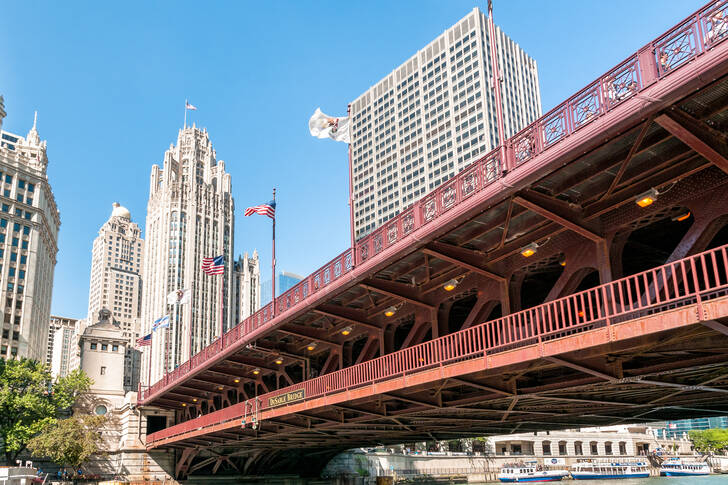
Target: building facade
{"points": [[61, 340], [285, 280], [246, 286], [29, 223], [116, 263], [190, 216], [433, 116], [680, 428]]}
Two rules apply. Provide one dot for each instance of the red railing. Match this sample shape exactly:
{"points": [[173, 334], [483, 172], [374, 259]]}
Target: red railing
{"points": [[690, 38], [692, 280]]}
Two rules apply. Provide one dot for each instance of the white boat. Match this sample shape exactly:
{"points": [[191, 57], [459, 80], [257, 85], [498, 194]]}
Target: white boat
{"points": [[530, 472], [677, 467], [595, 470]]}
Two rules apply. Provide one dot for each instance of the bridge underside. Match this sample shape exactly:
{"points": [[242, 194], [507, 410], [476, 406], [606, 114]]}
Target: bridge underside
{"points": [[578, 210]]}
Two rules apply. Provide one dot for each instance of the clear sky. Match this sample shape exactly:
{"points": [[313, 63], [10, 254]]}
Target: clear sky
{"points": [[109, 80]]}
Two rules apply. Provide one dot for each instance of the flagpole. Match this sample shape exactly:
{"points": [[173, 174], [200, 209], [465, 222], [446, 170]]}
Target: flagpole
{"points": [[351, 187], [185, 123], [273, 282], [496, 77], [222, 280], [149, 349]]}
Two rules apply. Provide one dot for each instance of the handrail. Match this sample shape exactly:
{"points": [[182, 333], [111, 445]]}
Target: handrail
{"points": [[694, 279], [693, 36]]}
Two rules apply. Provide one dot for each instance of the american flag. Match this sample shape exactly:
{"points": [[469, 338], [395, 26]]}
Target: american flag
{"points": [[268, 209], [144, 341], [214, 265]]}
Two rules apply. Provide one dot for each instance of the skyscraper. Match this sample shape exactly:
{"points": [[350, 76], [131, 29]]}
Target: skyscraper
{"points": [[433, 116], [189, 217], [116, 263], [61, 345], [246, 286], [29, 222], [284, 281]]}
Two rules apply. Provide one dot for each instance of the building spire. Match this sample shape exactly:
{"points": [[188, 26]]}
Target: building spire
{"points": [[33, 138]]}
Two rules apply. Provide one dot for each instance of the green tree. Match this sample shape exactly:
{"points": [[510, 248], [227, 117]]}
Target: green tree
{"points": [[69, 442], [709, 440], [30, 401]]}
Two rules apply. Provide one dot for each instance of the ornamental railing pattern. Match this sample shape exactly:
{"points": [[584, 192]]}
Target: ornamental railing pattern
{"points": [[690, 281], [675, 48]]}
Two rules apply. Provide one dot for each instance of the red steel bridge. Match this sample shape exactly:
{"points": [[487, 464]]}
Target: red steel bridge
{"points": [[577, 275]]}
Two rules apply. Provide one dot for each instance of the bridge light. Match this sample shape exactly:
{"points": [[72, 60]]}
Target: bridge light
{"points": [[647, 198], [220, 388], [194, 399], [530, 250], [256, 371], [390, 311], [311, 346], [450, 285], [184, 404], [681, 217], [562, 260], [345, 331], [278, 360], [581, 313], [236, 381]]}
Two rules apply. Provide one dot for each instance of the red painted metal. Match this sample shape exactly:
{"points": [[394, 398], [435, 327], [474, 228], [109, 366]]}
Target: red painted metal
{"points": [[689, 281], [691, 38]]}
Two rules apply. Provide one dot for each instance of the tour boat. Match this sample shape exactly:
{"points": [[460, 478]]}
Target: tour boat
{"points": [[530, 472], [593, 470], [675, 467]]}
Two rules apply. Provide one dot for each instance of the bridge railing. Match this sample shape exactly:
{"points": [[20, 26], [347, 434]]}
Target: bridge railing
{"points": [[692, 280], [682, 43]]}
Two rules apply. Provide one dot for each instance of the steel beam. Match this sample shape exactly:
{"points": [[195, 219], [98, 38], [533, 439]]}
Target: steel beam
{"points": [[462, 257], [561, 219], [702, 142], [395, 290]]}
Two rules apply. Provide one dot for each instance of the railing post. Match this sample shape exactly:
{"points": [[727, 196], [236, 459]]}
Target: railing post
{"points": [[648, 65], [698, 301]]}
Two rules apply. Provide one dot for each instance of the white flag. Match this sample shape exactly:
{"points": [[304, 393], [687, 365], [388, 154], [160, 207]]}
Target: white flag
{"points": [[180, 296], [324, 126], [190, 107]]}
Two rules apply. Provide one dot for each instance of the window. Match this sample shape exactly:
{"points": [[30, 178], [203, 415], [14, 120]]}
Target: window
{"points": [[104, 347], [3, 223], [115, 348], [608, 448], [21, 184], [562, 447], [578, 448], [594, 449], [101, 409], [546, 447], [9, 179], [31, 187], [26, 230], [103, 370], [93, 346], [5, 208]]}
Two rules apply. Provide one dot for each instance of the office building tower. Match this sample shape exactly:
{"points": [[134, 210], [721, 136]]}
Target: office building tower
{"points": [[433, 116], [61, 345], [189, 218], [679, 428], [29, 223], [116, 263], [284, 282], [246, 286]]}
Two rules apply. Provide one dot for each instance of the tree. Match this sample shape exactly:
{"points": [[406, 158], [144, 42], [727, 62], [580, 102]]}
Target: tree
{"points": [[69, 442], [30, 401], [709, 440]]}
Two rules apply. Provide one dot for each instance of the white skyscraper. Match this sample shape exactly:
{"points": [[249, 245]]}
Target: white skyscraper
{"points": [[246, 286], [29, 222], [116, 263], [189, 217], [61, 344], [433, 116]]}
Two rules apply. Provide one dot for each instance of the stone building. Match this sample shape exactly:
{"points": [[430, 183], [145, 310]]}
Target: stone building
{"points": [[246, 286], [116, 263], [190, 216], [29, 223], [61, 340]]}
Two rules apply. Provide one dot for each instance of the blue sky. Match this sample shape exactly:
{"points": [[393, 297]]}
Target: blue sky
{"points": [[109, 80]]}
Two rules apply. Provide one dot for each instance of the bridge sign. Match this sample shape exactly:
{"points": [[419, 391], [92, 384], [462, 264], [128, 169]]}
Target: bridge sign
{"points": [[286, 398]]}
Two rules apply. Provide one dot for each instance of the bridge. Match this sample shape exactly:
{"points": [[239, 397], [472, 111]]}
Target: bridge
{"points": [[577, 275]]}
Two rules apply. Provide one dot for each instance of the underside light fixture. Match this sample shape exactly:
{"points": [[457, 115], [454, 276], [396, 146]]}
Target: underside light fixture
{"points": [[647, 198], [390, 311], [236, 381], [530, 250], [194, 399], [184, 404], [450, 285], [311, 346], [562, 260], [682, 216], [580, 313], [256, 371], [278, 360], [345, 331]]}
